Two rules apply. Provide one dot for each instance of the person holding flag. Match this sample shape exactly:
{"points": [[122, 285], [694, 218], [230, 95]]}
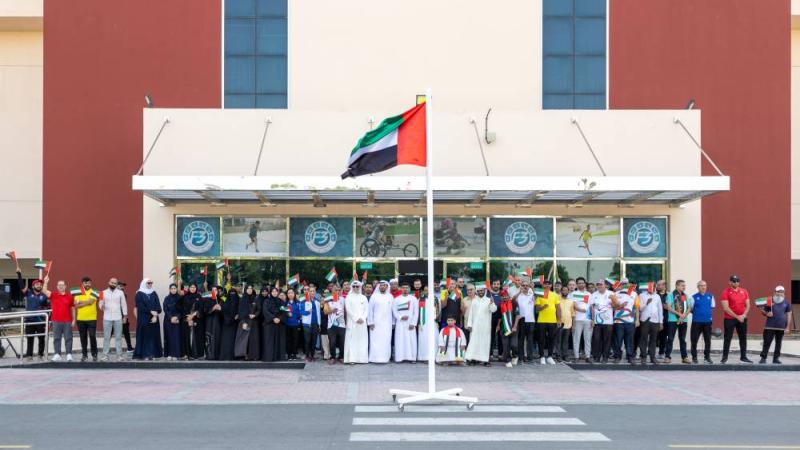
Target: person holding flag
{"points": [[336, 329], [274, 312], [311, 323], [508, 327], [426, 301], [379, 322], [626, 315], [452, 344], [779, 317], [479, 323], [35, 300], [63, 317], [451, 303], [405, 311]]}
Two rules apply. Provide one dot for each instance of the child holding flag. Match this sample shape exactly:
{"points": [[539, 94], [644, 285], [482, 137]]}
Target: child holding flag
{"points": [[452, 343]]}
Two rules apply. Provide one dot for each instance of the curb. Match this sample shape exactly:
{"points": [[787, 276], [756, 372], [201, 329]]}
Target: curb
{"points": [[133, 365]]}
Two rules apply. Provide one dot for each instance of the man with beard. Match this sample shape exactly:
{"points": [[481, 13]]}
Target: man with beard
{"points": [[356, 342], [479, 323], [405, 310], [379, 321], [36, 300], [497, 333]]}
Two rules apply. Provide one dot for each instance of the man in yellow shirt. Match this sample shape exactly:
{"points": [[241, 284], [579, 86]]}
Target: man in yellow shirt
{"points": [[548, 306], [86, 317]]}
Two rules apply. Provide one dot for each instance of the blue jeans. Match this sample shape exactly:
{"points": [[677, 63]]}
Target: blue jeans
{"points": [[623, 331]]}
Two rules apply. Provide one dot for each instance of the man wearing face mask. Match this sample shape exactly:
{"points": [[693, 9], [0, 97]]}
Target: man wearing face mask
{"points": [[115, 310], [779, 316], [35, 300]]}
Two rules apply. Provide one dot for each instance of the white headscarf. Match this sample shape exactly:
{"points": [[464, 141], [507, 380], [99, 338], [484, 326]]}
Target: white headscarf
{"points": [[143, 286]]}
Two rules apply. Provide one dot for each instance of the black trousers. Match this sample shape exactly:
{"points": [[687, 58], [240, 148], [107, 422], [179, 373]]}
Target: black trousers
{"points": [[648, 338], [547, 338], [87, 330], [294, 339], [662, 335], [34, 328], [768, 336], [672, 327], [741, 330], [601, 341], [705, 330], [497, 336], [509, 346], [525, 340], [310, 335], [336, 341], [126, 333]]}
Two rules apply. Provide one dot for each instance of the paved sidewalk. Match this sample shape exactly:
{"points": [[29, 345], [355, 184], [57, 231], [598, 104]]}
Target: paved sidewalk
{"points": [[320, 383]]}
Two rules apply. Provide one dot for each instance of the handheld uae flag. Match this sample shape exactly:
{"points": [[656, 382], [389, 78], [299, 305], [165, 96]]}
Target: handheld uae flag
{"points": [[355, 276], [763, 301], [39, 264], [509, 281], [175, 272], [331, 275], [76, 291], [221, 264], [293, 280], [397, 140], [614, 283], [506, 307], [13, 255], [364, 276], [204, 271]]}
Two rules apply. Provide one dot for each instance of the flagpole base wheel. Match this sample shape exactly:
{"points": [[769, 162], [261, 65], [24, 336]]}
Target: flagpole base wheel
{"points": [[401, 407], [453, 395], [471, 406]]}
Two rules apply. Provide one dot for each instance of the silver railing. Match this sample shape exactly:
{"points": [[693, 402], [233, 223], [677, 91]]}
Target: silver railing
{"points": [[16, 321]]}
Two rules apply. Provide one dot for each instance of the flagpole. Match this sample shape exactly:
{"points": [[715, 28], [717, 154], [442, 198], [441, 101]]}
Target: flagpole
{"points": [[430, 302]]}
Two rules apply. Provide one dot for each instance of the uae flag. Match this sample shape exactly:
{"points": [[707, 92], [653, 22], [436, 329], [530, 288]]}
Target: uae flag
{"points": [[76, 291], [293, 280], [40, 264], [397, 140], [331, 275]]}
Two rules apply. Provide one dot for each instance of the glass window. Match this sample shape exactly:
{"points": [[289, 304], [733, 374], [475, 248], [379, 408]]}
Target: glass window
{"points": [[193, 273], [574, 54], [375, 270], [591, 269], [500, 269], [258, 272], [471, 271], [315, 270], [644, 273], [256, 74]]}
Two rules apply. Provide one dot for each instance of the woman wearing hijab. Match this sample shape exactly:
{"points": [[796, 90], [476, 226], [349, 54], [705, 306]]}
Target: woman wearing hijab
{"points": [[148, 331], [274, 312], [172, 324], [212, 310], [248, 333], [194, 328], [230, 320]]}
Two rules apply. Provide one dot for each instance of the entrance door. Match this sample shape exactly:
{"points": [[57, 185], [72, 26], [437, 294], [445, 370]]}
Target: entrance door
{"points": [[644, 272], [375, 270], [410, 270]]}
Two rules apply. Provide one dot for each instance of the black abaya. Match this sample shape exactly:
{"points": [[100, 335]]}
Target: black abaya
{"points": [[230, 312], [213, 325], [274, 334], [195, 333], [248, 333]]}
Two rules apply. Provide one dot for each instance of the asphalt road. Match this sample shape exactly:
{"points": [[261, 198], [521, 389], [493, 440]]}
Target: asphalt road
{"points": [[369, 427]]}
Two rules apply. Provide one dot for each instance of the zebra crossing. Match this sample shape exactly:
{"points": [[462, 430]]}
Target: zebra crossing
{"points": [[485, 423]]}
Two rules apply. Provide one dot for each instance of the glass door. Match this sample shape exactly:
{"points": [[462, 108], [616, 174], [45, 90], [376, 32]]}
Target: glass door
{"points": [[471, 271], [375, 270]]}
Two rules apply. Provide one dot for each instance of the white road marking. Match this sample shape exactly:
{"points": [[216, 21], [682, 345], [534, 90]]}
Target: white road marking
{"points": [[461, 409], [466, 421], [439, 436]]}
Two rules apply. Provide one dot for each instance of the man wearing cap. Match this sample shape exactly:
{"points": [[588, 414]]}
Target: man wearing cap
{"points": [[379, 322], [394, 288], [405, 309], [525, 301], [736, 304], [779, 316], [35, 300], [702, 306], [601, 304], [356, 340]]}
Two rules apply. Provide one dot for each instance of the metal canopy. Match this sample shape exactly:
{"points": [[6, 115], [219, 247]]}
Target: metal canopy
{"points": [[470, 191]]}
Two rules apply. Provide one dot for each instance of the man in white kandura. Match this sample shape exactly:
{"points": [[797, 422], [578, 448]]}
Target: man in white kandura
{"points": [[405, 309], [379, 321], [356, 341], [422, 330], [479, 324]]}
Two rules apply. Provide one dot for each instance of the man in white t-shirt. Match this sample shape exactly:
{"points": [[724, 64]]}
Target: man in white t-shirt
{"points": [[601, 304], [582, 324], [525, 299]]}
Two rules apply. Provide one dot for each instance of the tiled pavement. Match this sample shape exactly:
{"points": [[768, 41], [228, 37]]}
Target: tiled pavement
{"points": [[320, 383]]}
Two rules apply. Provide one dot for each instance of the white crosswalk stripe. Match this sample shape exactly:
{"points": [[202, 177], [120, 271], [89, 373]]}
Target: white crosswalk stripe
{"points": [[417, 420]]}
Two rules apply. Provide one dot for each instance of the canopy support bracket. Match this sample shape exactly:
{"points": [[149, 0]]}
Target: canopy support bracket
{"points": [[588, 145]]}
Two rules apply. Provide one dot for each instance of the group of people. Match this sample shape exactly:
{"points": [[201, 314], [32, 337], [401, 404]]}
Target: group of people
{"points": [[523, 319]]}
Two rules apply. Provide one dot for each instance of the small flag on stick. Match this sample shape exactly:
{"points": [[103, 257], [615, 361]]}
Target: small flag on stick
{"points": [[364, 276], [40, 264], [293, 280], [76, 290], [332, 275]]}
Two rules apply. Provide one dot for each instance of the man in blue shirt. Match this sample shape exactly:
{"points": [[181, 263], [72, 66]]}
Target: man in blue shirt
{"points": [[701, 307]]}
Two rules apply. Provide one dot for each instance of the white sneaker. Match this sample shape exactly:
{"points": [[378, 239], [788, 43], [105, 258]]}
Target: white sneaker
{"points": [[509, 365], [550, 360], [542, 361], [514, 361], [104, 358], [69, 357], [56, 358]]}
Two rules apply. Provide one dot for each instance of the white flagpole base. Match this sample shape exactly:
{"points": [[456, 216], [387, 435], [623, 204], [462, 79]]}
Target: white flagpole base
{"points": [[448, 395]]}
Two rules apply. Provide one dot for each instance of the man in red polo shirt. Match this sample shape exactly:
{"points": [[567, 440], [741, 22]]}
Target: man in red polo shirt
{"points": [[63, 317], [736, 304]]}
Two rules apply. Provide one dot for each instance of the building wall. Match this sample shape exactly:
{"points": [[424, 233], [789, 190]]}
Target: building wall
{"points": [[731, 57], [21, 143], [795, 99], [102, 57]]}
